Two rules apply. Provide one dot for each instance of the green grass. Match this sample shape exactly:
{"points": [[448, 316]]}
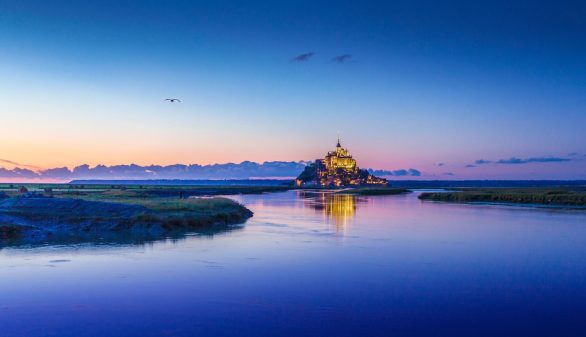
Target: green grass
{"points": [[175, 212], [536, 196], [192, 213], [168, 211]]}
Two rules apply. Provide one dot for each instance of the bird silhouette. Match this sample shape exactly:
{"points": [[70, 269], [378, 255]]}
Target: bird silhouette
{"points": [[173, 100]]}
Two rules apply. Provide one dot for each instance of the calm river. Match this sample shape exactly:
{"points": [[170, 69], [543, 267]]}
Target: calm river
{"points": [[316, 265]]}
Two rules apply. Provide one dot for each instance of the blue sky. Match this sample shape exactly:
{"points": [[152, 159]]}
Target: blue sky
{"points": [[427, 83]]}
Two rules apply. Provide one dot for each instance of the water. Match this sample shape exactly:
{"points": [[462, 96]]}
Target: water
{"points": [[316, 265]]}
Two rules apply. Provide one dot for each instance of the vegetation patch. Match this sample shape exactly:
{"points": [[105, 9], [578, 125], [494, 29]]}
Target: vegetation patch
{"points": [[97, 215], [575, 197]]}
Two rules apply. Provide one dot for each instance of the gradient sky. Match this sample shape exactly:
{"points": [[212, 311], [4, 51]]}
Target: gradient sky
{"points": [[430, 85]]}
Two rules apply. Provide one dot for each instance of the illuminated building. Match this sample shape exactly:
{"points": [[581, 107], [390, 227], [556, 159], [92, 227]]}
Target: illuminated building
{"points": [[337, 169], [340, 159]]}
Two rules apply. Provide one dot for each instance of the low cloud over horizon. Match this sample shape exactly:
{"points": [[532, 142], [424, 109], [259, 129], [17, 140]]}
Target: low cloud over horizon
{"points": [[517, 161], [243, 170], [396, 173]]}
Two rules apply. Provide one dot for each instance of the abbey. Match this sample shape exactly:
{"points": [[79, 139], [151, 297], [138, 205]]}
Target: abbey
{"points": [[337, 169]]}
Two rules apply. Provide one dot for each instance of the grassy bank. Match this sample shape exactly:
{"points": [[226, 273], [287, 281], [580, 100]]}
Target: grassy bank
{"points": [[535, 196], [189, 213], [120, 215], [112, 214]]}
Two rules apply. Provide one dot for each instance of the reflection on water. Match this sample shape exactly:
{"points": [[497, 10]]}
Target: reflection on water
{"points": [[337, 208], [315, 264], [115, 239]]}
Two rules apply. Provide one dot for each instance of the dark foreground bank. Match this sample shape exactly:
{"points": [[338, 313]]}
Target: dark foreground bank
{"points": [[37, 219]]}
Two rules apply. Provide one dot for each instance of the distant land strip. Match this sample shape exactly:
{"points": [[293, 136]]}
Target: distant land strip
{"points": [[421, 184], [183, 182]]}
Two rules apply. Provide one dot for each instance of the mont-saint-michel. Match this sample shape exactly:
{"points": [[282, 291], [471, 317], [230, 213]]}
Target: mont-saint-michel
{"points": [[171, 168], [337, 169]]}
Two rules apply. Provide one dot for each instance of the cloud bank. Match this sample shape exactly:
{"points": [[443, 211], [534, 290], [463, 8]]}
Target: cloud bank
{"points": [[514, 160], [517, 161], [396, 173], [244, 170]]}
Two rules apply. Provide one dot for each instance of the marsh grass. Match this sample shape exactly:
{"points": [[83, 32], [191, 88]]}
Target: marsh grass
{"points": [[118, 209], [177, 213], [537, 196]]}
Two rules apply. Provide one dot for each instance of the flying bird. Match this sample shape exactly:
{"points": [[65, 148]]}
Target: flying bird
{"points": [[173, 100], [302, 58], [341, 58]]}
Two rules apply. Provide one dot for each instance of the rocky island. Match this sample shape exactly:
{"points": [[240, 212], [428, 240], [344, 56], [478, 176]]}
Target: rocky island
{"points": [[337, 169]]}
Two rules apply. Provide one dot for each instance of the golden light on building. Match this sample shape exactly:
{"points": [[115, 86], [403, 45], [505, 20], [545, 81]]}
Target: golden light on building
{"points": [[337, 169], [340, 159]]}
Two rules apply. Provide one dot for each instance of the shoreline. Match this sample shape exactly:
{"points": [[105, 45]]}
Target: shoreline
{"points": [[510, 204], [38, 220], [552, 198]]}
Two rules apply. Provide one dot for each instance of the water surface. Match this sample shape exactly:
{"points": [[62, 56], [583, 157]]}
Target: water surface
{"points": [[315, 265]]}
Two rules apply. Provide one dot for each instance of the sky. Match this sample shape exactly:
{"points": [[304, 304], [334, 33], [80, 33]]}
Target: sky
{"points": [[452, 89]]}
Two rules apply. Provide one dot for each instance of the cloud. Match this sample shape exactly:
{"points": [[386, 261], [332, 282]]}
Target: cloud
{"points": [[342, 58], [5, 173], [18, 173], [517, 161], [243, 170], [414, 172], [449, 174], [441, 164], [10, 162], [470, 166], [396, 173], [57, 173], [573, 154], [302, 57], [514, 160]]}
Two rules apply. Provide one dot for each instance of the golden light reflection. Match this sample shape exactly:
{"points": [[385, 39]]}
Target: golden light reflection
{"points": [[338, 209]]}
